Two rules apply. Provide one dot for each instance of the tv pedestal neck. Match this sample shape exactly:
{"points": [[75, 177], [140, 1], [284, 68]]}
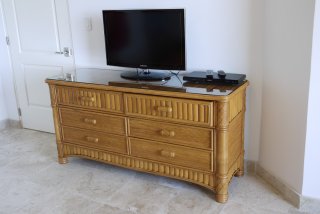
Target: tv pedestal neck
{"points": [[146, 75]]}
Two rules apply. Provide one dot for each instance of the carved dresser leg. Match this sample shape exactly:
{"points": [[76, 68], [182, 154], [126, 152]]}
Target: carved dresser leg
{"points": [[239, 173], [63, 160], [222, 134], [57, 128], [221, 196]]}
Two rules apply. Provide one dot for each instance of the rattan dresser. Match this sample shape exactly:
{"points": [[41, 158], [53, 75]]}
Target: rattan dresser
{"points": [[185, 131]]}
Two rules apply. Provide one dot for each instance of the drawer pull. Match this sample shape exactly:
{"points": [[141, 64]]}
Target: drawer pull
{"points": [[164, 109], [92, 139], [167, 133], [87, 99], [167, 154], [90, 121]]}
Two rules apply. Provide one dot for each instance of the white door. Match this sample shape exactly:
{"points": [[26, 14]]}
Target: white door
{"points": [[38, 31]]}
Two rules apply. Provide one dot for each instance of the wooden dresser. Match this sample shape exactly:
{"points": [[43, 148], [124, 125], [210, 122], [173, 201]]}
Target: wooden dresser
{"points": [[180, 130]]}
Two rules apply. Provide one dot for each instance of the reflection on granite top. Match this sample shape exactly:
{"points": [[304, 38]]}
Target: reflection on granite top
{"points": [[176, 83]]}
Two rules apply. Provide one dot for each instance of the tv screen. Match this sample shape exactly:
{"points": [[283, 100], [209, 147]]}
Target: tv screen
{"points": [[147, 39]]}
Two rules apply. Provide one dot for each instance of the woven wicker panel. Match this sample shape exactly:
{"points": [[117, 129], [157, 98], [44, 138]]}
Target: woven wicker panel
{"points": [[199, 177], [180, 110], [88, 98]]}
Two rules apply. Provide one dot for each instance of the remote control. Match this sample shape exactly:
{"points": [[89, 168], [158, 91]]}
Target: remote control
{"points": [[221, 74], [209, 74]]}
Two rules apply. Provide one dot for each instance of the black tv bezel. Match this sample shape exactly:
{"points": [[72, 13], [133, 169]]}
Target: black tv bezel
{"points": [[158, 67]]}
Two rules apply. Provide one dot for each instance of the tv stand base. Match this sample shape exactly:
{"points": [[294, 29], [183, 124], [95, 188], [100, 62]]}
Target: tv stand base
{"points": [[146, 75]]}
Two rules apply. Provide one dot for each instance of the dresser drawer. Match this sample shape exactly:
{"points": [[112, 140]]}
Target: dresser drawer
{"points": [[93, 139], [91, 99], [178, 134], [93, 121], [171, 109], [177, 155]]}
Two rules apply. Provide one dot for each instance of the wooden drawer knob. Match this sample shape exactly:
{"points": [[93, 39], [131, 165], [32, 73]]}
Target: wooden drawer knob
{"points": [[164, 109], [167, 154], [87, 99], [92, 139], [167, 133], [90, 121]]}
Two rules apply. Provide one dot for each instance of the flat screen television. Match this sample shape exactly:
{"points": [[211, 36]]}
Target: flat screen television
{"points": [[145, 39]]}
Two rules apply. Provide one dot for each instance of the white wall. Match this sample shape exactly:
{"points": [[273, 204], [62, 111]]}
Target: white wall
{"points": [[287, 56], [214, 38], [218, 36], [7, 94], [254, 97], [311, 176]]}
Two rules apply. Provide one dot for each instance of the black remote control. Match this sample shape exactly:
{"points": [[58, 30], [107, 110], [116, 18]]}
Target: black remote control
{"points": [[209, 74], [221, 74]]}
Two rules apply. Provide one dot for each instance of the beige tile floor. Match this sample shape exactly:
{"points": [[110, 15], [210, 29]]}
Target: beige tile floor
{"points": [[31, 181]]}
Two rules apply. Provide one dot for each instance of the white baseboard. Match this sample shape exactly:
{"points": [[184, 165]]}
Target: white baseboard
{"points": [[4, 124], [287, 192], [303, 203]]}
